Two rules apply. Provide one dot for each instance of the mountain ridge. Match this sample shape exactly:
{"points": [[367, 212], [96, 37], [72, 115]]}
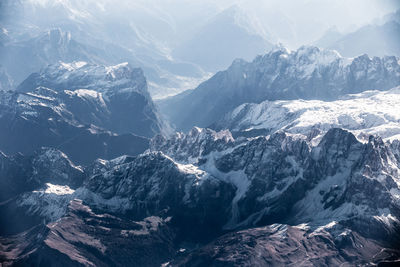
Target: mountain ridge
{"points": [[107, 111], [308, 73]]}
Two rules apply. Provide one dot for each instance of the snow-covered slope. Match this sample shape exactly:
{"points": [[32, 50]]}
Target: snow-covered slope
{"points": [[370, 112], [308, 73]]}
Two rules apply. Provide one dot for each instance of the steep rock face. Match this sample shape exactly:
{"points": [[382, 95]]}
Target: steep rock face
{"points": [[121, 89], [370, 112], [192, 146], [66, 120], [88, 111], [308, 73], [153, 184], [359, 185], [271, 179], [85, 238]]}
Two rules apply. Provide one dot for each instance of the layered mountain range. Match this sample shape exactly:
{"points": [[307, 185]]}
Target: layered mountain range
{"points": [[175, 44], [292, 159], [308, 73]]}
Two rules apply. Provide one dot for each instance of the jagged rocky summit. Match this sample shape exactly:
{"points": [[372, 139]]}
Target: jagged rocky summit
{"points": [[307, 73]]}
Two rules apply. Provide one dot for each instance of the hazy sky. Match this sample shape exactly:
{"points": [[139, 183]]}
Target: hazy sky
{"points": [[339, 12], [294, 21], [291, 22], [308, 19]]}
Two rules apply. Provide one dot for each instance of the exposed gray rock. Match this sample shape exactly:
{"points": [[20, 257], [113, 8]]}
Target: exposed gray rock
{"points": [[89, 112], [308, 73], [47, 118], [193, 145], [119, 92], [153, 184]]}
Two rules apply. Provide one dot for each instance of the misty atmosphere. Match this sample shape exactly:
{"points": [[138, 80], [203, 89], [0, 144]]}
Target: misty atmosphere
{"points": [[199, 133]]}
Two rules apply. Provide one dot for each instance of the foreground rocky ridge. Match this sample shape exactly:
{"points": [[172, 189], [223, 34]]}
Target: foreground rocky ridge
{"points": [[282, 245], [84, 238], [336, 196]]}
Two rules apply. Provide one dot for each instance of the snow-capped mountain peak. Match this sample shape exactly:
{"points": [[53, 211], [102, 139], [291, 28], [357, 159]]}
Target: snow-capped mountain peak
{"points": [[83, 75], [307, 73]]}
